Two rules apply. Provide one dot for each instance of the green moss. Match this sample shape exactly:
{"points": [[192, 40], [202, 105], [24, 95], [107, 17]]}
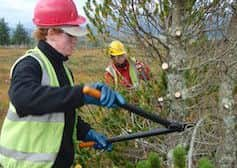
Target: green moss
{"points": [[205, 163]]}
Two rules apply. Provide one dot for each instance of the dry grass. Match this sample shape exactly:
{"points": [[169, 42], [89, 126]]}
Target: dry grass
{"points": [[7, 58], [88, 65]]}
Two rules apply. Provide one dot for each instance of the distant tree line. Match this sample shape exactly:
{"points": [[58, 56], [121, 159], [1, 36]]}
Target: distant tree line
{"points": [[19, 35]]}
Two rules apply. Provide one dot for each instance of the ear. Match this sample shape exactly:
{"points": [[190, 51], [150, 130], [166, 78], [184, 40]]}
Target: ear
{"points": [[50, 31], [113, 58], [51, 34]]}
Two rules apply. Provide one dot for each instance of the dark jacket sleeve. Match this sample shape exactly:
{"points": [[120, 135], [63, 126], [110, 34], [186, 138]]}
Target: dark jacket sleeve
{"points": [[82, 128], [30, 97]]}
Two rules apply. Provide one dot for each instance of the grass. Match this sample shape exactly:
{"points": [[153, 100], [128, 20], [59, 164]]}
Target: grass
{"points": [[7, 58]]}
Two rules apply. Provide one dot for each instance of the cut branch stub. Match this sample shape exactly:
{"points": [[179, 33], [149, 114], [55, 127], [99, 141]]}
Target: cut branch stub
{"points": [[177, 95], [160, 99], [178, 33], [226, 106], [164, 66]]}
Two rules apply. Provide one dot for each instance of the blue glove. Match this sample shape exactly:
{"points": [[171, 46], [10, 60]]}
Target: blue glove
{"points": [[100, 139], [109, 98]]}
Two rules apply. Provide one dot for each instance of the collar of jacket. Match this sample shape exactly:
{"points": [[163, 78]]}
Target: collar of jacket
{"points": [[123, 65], [50, 52]]}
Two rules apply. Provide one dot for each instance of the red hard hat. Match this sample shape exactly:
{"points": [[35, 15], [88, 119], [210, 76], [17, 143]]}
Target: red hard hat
{"points": [[56, 13]]}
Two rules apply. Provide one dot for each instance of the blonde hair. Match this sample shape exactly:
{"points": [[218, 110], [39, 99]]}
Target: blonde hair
{"points": [[41, 33]]}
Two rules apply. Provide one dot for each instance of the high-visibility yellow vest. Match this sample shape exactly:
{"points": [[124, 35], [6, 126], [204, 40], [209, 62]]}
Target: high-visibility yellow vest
{"points": [[33, 141], [132, 72]]}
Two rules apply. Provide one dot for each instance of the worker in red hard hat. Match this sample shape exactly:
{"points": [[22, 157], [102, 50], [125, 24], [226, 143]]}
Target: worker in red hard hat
{"points": [[42, 127]]}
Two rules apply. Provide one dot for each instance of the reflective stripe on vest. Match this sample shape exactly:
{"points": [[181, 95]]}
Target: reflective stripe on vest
{"points": [[33, 141], [132, 72], [33, 157], [112, 72], [55, 117]]}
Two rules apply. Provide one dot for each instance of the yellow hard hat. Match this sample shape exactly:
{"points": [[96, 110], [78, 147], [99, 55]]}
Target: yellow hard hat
{"points": [[78, 166], [116, 48]]}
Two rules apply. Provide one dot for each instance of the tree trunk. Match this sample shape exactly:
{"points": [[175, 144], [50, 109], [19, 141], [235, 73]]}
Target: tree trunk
{"points": [[227, 152], [175, 78], [176, 58]]}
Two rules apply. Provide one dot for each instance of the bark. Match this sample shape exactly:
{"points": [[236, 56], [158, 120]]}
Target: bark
{"points": [[227, 153], [231, 32], [176, 58], [228, 149]]}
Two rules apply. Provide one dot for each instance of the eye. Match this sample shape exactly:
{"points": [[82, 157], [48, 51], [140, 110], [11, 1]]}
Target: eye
{"points": [[69, 35]]}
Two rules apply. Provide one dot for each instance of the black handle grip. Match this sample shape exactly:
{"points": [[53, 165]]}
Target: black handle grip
{"points": [[145, 114]]}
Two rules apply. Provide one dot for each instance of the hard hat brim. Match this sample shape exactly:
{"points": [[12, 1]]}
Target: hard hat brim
{"points": [[75, 30], [118, 53]]}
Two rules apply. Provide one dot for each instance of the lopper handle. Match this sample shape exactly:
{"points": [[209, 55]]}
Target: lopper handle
{"points": [[86, 144], [148, 115], [91, 92], [120, 138]]}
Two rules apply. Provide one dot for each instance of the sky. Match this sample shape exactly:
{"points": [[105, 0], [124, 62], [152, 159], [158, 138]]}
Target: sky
{"points": [[15, 11]]}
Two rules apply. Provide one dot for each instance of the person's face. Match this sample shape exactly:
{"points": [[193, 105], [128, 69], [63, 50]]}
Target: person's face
{"points": [[120, 59], [62, 42]]}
